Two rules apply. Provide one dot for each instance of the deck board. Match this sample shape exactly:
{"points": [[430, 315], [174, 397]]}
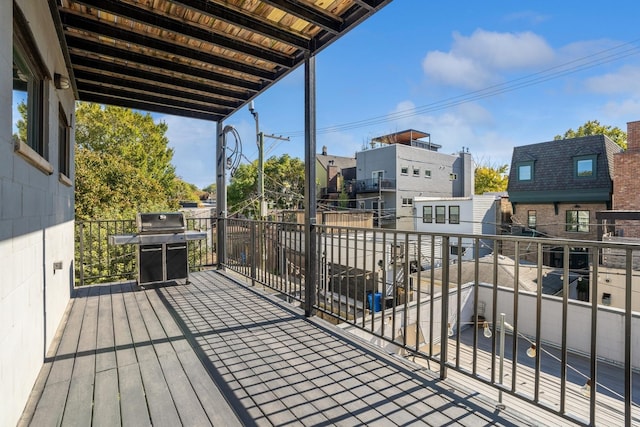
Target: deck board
{"points": [[217, 352]]}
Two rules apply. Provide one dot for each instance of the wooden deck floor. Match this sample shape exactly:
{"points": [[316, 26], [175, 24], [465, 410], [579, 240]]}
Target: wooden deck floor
{"points": [[216, 352]]}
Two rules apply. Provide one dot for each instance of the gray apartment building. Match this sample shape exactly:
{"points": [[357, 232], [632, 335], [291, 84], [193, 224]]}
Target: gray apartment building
{"points": [[404, 165]]}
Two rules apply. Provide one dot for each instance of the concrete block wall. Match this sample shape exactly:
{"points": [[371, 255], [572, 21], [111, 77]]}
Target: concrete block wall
{"points": [[36, 222]]}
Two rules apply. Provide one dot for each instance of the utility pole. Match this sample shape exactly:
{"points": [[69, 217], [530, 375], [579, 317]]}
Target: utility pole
{"points": [[260, 142]]}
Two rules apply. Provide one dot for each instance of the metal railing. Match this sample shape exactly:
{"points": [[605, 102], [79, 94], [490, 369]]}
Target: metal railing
{"points": [[435, 298], [97, 261], [374, 184]]}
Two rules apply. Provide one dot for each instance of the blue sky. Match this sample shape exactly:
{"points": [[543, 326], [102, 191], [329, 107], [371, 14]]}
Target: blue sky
{"points": [[486, 75]]}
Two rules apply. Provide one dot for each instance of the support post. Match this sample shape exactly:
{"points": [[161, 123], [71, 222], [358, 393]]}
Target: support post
{"points": [[310, 243], [261, 200], [221, 196], [501, 364]]}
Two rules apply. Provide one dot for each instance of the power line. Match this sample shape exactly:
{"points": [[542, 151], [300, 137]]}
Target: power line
{"points": [[583, 63]]}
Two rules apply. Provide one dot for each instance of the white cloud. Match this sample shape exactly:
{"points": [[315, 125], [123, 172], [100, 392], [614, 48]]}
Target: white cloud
{"points": [[624, 81], [628, 108], [455, 70], [468, 125], [476, 61]]}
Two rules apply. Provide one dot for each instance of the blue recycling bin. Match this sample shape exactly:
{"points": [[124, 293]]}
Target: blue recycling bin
{"points": [[375, 301]]}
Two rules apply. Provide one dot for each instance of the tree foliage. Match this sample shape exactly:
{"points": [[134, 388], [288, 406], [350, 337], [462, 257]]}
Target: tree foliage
{"points": [[490, 179], [123, 164], [593, 127], [283, 185]]}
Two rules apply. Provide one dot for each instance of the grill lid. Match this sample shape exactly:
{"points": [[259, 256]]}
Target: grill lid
{"points": [[160, 222]]}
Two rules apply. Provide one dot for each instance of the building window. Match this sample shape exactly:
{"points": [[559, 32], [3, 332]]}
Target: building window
{"points": [[427, 173], [531, 219], [416, 171], [407, 201], [525, 171], [64, 152], [440, 214], [578, 221], [584, 166], [427, 214], [361, 205], [29, 89], [454, 214], [453, 176], [404, 170]]}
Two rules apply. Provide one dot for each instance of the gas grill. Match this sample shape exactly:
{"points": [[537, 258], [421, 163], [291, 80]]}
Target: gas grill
{"points": [[162, 246]]}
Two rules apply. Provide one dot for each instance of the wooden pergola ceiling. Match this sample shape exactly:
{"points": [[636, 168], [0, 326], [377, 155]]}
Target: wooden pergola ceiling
{"points": [[194, 58]]}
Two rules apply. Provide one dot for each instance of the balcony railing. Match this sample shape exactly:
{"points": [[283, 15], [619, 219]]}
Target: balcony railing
{"points": [[373, 185], [99, 262], [407, 293], [574, 353]]}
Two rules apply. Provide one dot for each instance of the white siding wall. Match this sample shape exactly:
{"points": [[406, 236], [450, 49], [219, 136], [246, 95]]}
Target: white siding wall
{"points": [[36, 225]]}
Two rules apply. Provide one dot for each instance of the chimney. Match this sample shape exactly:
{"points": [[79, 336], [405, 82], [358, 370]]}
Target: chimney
{"points": [[324, 150], [633, 136]]}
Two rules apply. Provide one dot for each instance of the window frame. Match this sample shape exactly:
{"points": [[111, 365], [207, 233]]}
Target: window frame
{"points": [[64, 146], [519, 168], [404, 170], [532, 219], [27, 59], [427, 173], [416, 172], [407, 201], [574, 222], [427, 214], [454, 218], [441, 216], [594, 168]]}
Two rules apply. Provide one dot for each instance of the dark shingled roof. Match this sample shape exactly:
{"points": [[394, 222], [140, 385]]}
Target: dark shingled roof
{"points": [[554, 178]]}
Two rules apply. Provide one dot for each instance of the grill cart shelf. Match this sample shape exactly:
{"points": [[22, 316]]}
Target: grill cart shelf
{"points": [[162, 254]]}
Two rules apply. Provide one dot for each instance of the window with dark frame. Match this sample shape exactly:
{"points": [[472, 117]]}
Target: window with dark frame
{"points": [[404, 170], [525, 171], [416, 171], [440, 214], [427, 214], [64, 153], [29, 89], [427, 173], [577, 221], [585, 166], [531, 219], [454, 214]]}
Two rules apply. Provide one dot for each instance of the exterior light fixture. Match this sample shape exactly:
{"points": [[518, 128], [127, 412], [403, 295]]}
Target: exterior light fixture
{"points": [[532, 351], [487, 330], [61, 81]]}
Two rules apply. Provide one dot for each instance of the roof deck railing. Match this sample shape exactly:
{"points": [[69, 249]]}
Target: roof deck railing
{"points": [[470, 304]]}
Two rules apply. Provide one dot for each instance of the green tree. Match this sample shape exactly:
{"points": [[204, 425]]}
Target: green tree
{"points": [[123, 164], [490, 178], [109, 188], [593, 127], [283, 185]]}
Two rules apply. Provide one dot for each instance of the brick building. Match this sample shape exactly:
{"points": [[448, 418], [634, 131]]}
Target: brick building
{"points": [[556, 188], [623, 220]]}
